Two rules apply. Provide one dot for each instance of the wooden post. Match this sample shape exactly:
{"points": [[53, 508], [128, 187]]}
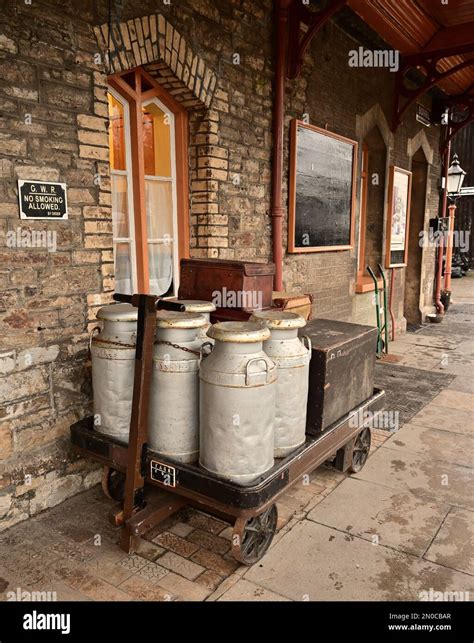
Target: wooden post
{"points": [[135, 483]]}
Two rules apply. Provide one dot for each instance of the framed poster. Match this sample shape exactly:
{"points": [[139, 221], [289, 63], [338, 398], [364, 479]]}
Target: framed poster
{"points": [[322, 190], [398, 220]]}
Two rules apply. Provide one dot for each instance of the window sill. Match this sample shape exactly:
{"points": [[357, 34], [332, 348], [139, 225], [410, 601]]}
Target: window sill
{"points": [[366, 284]]}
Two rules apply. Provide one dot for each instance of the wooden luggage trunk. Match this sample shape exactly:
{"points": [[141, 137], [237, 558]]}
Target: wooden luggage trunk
{"points": [[341, 372], [244, 286]]}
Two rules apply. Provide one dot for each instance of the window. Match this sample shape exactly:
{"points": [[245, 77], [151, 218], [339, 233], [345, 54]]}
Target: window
{"points": [[148, 166]]}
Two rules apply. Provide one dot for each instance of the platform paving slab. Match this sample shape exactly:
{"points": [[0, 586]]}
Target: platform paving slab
{"points": [[434, 444], [332, 565], [461, 383], [185, 589], [455, 400], [244, 590], [430, 479], [417, 339], [380, 514], [439, 417], [453, 545], [457, 365], [140, 589]]}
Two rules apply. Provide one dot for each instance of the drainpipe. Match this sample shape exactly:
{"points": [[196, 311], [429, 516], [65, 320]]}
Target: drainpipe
{"points": [[449, 248], [439, 272], [277, 211]]}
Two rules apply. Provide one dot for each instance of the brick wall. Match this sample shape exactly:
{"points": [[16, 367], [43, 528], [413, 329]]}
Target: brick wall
{"points": [[52, 127], [216, 58]]}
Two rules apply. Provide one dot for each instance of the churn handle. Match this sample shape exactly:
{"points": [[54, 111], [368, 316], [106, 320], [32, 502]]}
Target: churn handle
{"points": [[209, 345], [255, 360], [307, 342], [92, 335]]}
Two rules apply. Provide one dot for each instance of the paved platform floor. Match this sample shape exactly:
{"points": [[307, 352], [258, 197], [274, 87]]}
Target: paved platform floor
{"points": [[401, 527]]}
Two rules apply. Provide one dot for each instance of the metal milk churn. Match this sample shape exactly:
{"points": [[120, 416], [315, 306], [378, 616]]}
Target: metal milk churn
{"points": [[173, 427], [113, 369], [292, 359], [238, 387], [202, 308]]}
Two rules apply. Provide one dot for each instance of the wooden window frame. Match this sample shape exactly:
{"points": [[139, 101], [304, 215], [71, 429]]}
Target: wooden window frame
{"points": [[292, 248], [127, 173], [364, 283], [135, 99], [388, 240]]}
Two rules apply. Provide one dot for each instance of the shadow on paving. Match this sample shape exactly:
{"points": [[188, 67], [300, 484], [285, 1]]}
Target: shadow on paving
{"points": [[408, 389]]}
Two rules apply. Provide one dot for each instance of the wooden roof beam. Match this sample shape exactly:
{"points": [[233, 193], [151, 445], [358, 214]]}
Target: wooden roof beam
{"points": [[451, 41], [306, 22]]}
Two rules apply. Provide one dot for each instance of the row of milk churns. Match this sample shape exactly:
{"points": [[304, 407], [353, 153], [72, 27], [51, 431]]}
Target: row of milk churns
{"points": [[231, 395]]}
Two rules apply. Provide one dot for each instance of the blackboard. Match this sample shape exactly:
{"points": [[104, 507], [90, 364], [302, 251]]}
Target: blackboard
{"points": [[322, 189]]}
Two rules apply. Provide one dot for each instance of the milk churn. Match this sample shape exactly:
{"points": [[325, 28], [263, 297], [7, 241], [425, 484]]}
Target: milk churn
{"points": [[113, 369], [292, 359], [173, 427], [202, 308], [238, 386]]}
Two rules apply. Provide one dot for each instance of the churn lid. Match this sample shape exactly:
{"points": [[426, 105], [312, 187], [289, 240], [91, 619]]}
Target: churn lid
{"points": [[118, 313], [239, 332], [278, 319], [195, 305], [175, 319]]}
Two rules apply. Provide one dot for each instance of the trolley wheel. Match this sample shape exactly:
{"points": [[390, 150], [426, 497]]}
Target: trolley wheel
{"points": [[113, 483], [360, 451], [252, 536]]}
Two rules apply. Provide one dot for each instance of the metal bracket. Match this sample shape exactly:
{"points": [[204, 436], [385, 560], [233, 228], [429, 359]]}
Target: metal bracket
{"points": [[314, 22], [463, 104], [430, 63]]}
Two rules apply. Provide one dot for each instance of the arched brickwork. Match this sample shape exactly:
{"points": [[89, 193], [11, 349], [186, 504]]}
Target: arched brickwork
{"points": [[374, 117], [153, 39], [420, 140]]}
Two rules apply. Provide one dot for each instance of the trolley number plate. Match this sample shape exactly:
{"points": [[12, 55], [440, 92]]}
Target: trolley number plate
{"points": [[163, 473]]}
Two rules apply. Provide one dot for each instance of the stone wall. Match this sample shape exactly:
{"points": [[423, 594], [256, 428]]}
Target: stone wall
{"points": [[216, 58]]}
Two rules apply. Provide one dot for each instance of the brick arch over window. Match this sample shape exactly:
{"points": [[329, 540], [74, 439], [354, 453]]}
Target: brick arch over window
{"points": [[374, 117], [153, 42], [420, 140]]}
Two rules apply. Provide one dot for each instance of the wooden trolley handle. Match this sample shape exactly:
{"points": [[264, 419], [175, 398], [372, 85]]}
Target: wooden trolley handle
{"points": [[160, 304]]}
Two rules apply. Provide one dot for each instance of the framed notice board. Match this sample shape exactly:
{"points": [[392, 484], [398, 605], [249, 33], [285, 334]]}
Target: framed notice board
{"points": [[398, 220], [322, 190]]}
